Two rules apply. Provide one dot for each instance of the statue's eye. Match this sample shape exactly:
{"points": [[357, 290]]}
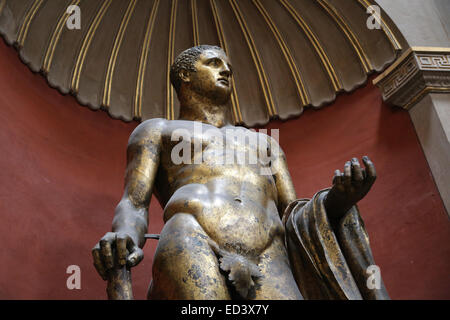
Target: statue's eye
{"points": [[214, 62]]}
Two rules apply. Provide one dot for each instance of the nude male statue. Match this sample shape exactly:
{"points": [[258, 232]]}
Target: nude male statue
{"points": [[223, 236]]}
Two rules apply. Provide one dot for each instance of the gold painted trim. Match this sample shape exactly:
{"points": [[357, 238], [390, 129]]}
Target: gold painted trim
{"points": [[404, 56], [256, 59], [115, 52], [2, 5], [223, 43], [393, 66], [48, 59], [195, 22], [86, 44], [398, 77], [170, 57], [23, 32], [316, 44], [143, 61], [303, 94], [392, 38], [430, 49], [423, 92], [351, 37]]}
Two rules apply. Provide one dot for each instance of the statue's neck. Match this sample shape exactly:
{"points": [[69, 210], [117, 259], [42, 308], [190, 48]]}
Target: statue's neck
{"points": [[203, 110]]}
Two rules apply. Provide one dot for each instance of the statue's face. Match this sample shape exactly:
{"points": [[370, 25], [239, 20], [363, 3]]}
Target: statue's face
{"points": [[212, 78]]}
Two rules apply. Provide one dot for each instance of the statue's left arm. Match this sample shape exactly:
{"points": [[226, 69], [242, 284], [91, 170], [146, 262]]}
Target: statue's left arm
{"points": [[327, 243]]}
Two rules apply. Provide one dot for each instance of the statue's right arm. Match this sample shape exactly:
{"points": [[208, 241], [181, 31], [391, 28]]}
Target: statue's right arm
{"points": [[130, 221]]}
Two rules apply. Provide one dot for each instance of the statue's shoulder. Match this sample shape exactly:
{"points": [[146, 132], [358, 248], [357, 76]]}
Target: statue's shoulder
{"points": [[273, 140], [148, 129], [270, 136], [152, 124]]}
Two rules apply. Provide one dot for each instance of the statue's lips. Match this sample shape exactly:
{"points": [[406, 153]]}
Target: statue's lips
{"points": [[224, 81]]}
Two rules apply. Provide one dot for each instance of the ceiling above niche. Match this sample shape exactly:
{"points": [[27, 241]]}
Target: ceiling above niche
{"points": [[286, 54]]}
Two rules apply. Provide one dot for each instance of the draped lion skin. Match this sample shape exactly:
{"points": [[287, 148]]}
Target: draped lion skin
{"points": [[231, 232]]}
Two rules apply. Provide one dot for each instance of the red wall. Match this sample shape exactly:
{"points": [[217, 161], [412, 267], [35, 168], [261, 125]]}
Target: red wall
{"points": [[62, 168]]}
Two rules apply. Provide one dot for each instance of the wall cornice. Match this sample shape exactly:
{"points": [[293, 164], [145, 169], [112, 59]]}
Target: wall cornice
{"points": [[420, 70]]}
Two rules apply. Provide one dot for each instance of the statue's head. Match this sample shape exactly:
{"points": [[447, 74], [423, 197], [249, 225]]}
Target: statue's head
{"points": [[204, 70]]}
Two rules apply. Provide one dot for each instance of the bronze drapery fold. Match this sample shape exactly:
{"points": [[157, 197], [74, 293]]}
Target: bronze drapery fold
{"points": [[329, 262]]}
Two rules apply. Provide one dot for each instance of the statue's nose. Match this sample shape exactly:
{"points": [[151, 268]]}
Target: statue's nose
{"points": [[225, 71]]}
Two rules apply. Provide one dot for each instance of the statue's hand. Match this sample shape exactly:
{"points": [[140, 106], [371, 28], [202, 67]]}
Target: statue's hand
{"points": [[115, 249], [349, 187]]}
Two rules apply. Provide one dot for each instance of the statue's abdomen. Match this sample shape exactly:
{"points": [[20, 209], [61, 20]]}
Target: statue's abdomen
{"points": [[234, 220]]}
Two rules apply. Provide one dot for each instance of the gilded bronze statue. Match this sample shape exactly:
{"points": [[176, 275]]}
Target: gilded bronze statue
{"points": [[232, 231]]}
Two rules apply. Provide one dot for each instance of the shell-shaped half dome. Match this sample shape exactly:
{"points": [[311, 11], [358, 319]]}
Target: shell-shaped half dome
{"points": [[286, 54]]}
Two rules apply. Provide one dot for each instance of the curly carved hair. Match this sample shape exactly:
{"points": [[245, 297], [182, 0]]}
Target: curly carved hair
{"points": [[186, 61]]}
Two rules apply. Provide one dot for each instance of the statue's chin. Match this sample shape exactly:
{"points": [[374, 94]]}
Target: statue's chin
{"points": [[222, 101], [216, 93], [221, 96]]}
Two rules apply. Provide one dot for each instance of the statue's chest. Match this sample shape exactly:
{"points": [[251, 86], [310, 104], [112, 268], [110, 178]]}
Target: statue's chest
{"points": [[210, 140], [197, 143]]}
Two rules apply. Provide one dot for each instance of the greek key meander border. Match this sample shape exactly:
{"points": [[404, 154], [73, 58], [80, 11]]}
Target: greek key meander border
{"points": [[419, 71]]}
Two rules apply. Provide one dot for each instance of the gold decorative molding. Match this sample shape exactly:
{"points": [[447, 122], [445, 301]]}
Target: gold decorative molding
{"points": [[115, 51], [143, 62], [303, 94], [76, 74], [2, 5], [384, 26], [195, 22], [419, 71], [170, 58], [349, 34], [320, 51], [26, 23], [237, 116], [256, 59], [55, 38]]}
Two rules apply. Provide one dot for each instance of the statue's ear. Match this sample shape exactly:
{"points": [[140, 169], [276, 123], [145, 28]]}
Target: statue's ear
{"points": [[185, 75]]}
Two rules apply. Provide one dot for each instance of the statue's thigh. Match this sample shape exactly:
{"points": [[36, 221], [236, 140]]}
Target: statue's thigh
{"points": [[184, 266], [277, 282]]}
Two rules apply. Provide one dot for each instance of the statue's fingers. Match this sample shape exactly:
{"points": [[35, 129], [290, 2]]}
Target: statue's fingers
{"points": [[357, 174], [364, 173], [135, 256], [121, 248], [98, 264], [347, 180], [106, 249], [371, 173], [337, 179]]}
